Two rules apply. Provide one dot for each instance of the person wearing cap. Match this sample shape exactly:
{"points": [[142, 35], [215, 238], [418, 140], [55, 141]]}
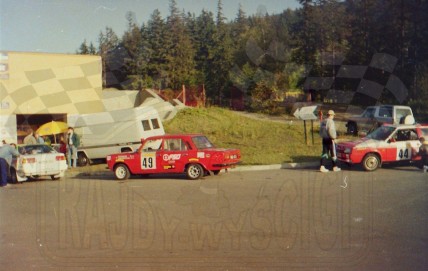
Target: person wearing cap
{"points": [[6, 153], [328, 134]]}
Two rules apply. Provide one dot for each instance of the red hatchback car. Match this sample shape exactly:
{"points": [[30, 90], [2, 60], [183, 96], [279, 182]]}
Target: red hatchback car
{"points": [[192, 154]]}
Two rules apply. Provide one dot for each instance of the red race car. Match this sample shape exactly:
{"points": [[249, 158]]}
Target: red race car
{"points": [[192, 154], [386, 144]]}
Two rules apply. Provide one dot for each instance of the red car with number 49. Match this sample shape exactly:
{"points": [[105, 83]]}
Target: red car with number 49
{"points": [[192, 154]]}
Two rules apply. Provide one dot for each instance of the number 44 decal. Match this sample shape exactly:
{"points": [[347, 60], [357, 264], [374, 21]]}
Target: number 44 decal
{"points": [[148, 161], [403, 153]]}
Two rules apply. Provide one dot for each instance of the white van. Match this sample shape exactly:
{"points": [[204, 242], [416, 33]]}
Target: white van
{"points": [[116, 131]]}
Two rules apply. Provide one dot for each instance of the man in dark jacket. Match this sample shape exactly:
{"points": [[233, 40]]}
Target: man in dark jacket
{"points": [[73, 142]]}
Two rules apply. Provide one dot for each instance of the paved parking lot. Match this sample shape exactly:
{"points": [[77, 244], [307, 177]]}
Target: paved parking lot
{"points": [[292, 219]]}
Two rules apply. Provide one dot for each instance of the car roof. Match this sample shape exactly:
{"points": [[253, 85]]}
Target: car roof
{"points": [[406, 125], [172, 136]]}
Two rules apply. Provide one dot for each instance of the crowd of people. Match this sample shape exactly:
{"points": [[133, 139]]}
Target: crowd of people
{"points": [[68, 144]]}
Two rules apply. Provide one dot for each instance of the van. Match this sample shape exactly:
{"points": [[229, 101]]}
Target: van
{"points": [[115, 131]]}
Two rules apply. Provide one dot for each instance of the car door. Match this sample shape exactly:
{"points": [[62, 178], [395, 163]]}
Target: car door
{"points": [[402, 144], [173, 156], [149, 156]]}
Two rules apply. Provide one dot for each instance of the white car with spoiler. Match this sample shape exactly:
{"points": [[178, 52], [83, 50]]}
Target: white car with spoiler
{"points": [[36, 161]]}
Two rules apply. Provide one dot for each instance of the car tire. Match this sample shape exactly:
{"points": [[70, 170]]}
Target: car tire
{"points": [[352, 128], [13, 176], [194, 171], [82, 159], [371, 162], [55, 178], [121, 172]]}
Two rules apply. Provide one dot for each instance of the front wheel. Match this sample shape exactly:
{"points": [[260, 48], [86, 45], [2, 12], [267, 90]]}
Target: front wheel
{"points": [[371, 162], [194, 171], [121, 172]]}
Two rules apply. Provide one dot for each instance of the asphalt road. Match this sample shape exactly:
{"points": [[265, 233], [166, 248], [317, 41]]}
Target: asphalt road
{"points": [[254, 220]]}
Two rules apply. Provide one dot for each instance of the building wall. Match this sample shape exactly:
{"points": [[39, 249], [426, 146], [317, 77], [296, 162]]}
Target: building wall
{"points": [[40, 83]]}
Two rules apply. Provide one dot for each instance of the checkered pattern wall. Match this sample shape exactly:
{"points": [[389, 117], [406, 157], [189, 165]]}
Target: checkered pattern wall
{"points": [[35, 83], [369, 81]]}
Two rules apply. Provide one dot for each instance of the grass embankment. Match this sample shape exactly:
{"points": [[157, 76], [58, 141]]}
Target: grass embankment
{"points": [[260, 141]]}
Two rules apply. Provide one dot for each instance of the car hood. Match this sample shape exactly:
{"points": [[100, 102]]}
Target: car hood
{"points": [[361, 143]]}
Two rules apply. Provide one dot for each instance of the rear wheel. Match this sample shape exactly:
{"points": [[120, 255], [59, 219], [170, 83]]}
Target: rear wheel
{"points": [[194, 171], [55, 178], [371, 162], [121, 172], [82, 159]]}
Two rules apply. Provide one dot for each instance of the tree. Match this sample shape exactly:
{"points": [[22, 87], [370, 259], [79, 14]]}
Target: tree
{"points": [[221, 56], [180, 65], [108, 42], [156, 51], [203, 40], [83, 49], [135, 62]]}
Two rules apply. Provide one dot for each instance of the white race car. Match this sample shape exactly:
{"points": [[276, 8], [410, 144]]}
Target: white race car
{"points": [[37, 161]]}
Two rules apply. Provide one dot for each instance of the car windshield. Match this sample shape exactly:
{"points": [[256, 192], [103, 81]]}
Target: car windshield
{"points": [[35, 149], [202, 142], [381, 133]]}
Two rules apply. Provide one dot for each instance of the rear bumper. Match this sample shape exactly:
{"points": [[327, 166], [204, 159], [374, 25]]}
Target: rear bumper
{"points": [[226, 165]]}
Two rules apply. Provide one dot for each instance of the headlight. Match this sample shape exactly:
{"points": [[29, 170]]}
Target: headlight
{"points": [[348, 150]]}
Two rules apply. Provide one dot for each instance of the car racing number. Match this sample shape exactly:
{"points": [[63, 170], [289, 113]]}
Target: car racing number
{"points": [[404, 152], [148, 160]]}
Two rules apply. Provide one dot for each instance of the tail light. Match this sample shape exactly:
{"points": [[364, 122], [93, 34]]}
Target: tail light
{"points": [[60, 158], [28, 160]]}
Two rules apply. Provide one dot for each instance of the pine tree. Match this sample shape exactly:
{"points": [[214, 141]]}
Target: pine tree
{"points": [[155, 34], [221, 55], [180, 64], [108, 42], [134, 63]]}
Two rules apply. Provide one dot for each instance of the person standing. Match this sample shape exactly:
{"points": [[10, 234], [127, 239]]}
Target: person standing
{"points": [[30, 139], [329, 135], [6, 153], [423, 152], [73, 142], [39, 139]]}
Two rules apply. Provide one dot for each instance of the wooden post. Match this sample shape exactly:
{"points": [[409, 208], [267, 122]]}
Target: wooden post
{"points": [[306, 137], [184, 95], [312, 128]]}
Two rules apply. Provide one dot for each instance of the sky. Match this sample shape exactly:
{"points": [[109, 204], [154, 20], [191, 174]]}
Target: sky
{"points": [[60, 26]]}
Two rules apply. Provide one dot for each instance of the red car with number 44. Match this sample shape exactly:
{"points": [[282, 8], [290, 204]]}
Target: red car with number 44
{"points": [[192, 154], [386, 144]]}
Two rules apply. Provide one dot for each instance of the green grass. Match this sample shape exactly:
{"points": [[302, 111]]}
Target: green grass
{"points": [[261, 141]]}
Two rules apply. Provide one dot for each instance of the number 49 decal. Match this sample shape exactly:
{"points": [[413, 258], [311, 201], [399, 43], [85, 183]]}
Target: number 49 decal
{"points": [[148, 161]]}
